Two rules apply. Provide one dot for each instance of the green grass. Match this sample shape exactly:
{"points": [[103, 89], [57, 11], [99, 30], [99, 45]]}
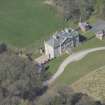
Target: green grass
{"points": [[76, 70], [54, 64], [27, 23], [93, 19]]}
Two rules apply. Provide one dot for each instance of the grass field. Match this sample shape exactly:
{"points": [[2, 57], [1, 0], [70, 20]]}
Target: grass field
{"points": [[54, 64], [76, 70], [27, 23], [92, 84]]}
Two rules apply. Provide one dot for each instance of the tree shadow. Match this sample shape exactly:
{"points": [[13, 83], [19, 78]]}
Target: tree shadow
{"points": [[82, 38]]}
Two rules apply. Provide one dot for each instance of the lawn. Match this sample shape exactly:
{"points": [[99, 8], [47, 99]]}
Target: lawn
{"points": [[54, 64], [76, 70], [27, 23]]}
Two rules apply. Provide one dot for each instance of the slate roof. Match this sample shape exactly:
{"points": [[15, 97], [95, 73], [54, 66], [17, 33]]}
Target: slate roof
{"points": [[53, 42], [59, 37]]}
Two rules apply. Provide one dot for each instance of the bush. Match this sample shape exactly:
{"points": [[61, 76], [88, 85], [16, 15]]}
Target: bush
{"points": [[3, 47]]}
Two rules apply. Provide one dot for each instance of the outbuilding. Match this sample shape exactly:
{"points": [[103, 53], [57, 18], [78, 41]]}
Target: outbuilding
{"points": [[84, 26], [100, 35]]}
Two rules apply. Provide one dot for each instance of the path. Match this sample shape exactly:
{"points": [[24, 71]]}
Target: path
{"points": [[72, 58]]}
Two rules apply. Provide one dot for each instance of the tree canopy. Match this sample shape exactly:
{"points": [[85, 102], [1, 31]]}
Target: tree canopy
{"points": [[67, 96], [19, 79], [80, 9]]}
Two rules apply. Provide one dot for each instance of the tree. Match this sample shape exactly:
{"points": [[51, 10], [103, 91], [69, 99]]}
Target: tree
{"points": [[19, 79], [74, 9], [100, 8], [86, 8], [3, 47]]}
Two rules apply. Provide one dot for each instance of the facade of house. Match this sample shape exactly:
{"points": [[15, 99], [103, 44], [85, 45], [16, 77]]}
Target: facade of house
{"points": [[100, 35], [61, 42]]}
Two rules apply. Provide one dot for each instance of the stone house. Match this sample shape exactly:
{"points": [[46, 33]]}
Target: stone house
{"points": [[61, 42]]}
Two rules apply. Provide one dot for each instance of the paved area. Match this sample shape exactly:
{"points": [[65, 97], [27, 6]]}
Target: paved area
{"points": [[100, 25], [72, 58], [41, 59]]}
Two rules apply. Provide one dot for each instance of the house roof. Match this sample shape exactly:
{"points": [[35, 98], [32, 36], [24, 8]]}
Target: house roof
{"points": [[59, 37]]}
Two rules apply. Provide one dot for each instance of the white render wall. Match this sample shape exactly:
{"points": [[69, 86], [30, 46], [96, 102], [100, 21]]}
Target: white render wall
{"points": [[49, 51]]}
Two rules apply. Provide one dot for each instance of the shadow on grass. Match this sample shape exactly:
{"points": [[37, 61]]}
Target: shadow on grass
{"points": [[82, 38]]}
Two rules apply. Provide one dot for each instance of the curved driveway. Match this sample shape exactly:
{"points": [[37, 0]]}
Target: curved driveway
{"points": [[72, 58]]}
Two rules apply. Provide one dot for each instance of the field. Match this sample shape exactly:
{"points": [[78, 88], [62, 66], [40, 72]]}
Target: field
{"points": [[76, 70], [92, 84], [27, 23]]}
